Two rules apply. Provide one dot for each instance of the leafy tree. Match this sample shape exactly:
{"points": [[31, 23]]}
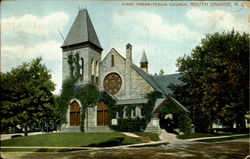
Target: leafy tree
{"points": [[161, 72], [26, 96], [215, 80]]}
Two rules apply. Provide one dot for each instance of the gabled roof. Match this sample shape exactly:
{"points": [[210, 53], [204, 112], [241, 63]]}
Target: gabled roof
{"points": [[164, 81], [148, 78], [161, 101], [113, 50], [82, 31], [144, 57]]}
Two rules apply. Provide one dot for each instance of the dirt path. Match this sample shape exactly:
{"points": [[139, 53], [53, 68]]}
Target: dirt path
{"points": [[215, 137], [8, 136]]}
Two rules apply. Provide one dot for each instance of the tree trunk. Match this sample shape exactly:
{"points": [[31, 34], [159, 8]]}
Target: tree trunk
{"points": [[26, 131], [210, 126]]}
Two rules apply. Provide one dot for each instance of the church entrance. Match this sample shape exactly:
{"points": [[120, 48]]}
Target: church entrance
{"points": [[169, 122], [74, 114], [102, 114]]}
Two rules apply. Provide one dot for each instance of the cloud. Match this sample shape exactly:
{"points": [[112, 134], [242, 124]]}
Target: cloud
{"points": [[31, 25], [141, 22], [217, 20], [50, 51]]}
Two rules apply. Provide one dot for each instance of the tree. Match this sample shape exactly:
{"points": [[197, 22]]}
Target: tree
{"points": [[215, 80], [26, 96], [161, 72]]}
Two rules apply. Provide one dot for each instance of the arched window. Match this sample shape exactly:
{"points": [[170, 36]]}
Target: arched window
{"points": [[112, 60], [82, 69], [97, 71], [92, 70], [92, 67]]}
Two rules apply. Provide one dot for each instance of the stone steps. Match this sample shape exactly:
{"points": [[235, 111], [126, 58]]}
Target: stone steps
{"points": [[72, 129], [100, 129], [156, 130]]}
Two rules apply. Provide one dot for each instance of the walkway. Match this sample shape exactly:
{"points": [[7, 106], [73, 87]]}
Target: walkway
{"points": [[215, 137], [8, 136], [130, 134]]}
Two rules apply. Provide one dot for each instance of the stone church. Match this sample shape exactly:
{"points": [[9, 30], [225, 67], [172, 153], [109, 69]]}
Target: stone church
{"points": [[126, 82]]}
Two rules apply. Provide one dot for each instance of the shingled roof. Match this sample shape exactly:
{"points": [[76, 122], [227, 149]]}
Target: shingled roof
{"points": [[148, 78], [161, 82], [160, 102], [164, 81], [82, 31]]}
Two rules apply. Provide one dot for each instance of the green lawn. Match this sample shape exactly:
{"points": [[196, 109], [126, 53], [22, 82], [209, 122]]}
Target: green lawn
{"points": [[69, 139]]}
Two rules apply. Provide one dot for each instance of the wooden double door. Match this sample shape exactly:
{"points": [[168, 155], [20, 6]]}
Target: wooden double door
{"points": [[74, 114], [102, 114]]}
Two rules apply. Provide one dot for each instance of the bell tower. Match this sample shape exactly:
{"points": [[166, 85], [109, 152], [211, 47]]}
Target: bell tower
{"points": [[144, 62], [81, 51]]}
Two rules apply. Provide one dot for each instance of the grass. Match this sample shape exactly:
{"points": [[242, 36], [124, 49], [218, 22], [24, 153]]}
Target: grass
{"points": [[68, 139], [198, 135], [152, 136]]}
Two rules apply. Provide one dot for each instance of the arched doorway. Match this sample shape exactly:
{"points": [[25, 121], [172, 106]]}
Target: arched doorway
{"points": [[102, 114], [74, 114], [169, 122]]}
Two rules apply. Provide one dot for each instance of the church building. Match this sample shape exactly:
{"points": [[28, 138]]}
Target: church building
{"points": [[123, 80]]}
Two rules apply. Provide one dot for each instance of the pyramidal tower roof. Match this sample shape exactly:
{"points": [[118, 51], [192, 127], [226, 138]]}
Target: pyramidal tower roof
{"points": [[82, 31], [144, 57]]}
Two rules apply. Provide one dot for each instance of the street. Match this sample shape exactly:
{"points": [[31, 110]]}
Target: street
{"points": [[237, 149]]}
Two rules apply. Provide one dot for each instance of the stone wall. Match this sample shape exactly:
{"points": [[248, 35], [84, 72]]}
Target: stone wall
{"points": [[139, 86], [90, 118], [119, 67], [87, 54]]}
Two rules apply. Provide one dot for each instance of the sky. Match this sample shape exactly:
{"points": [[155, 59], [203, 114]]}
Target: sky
{"points": [[29, 29]]}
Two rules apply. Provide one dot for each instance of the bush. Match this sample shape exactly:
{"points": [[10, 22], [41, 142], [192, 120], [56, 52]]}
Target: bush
{"points": [[130, 124], [185, 123]]}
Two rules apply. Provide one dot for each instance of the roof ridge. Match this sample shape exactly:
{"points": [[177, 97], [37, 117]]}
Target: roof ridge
{"points": [[155, 83]]}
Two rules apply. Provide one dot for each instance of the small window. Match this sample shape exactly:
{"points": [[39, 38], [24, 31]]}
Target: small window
{"points": [[138, 111], [82, 69], [125, 112], [92, 67], [97, 69], [112, 61], [117, 115], [133, 112], [92, 70], [142, 111]]}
